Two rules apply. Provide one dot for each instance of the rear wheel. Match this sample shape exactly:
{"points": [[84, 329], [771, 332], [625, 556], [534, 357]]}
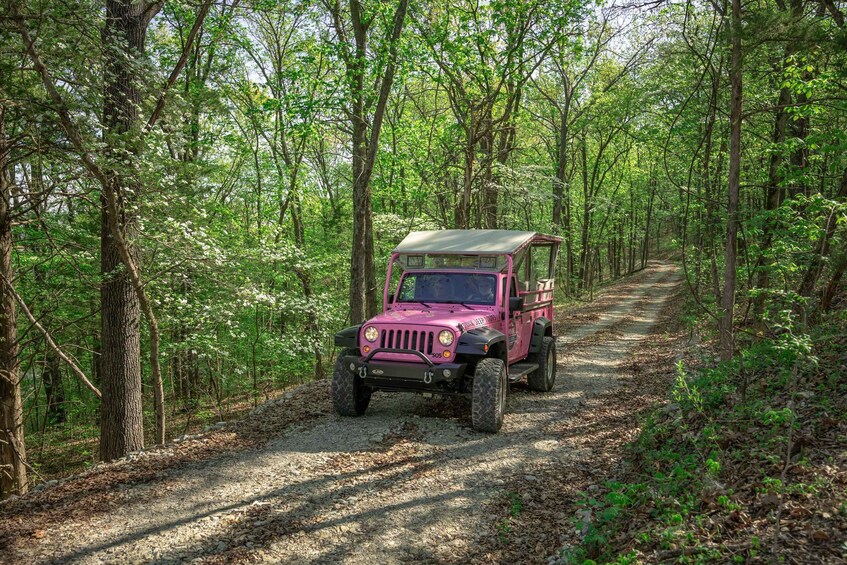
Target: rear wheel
{"points": [[489, 395], [543, 378], [350, 396]]}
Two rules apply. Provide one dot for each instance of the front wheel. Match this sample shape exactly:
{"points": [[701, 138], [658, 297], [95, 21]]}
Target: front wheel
{"points": [[350, 396], [543, 378], [489, 395]]}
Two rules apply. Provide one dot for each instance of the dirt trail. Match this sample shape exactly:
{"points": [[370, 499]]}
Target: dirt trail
{"points": [[409, 481]]}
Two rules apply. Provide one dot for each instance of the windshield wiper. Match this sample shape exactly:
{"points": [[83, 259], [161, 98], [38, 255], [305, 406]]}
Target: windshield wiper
{"points": [[457, 302], [414, 302]]}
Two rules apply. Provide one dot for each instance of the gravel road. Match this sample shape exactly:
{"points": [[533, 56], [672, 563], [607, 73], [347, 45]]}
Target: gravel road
{"points": [[408, 482]]}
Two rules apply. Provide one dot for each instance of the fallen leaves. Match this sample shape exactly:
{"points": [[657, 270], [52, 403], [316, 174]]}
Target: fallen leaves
{"points": [[110, 485]]}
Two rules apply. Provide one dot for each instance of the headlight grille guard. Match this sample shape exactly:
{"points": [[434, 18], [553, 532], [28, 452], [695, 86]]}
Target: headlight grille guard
{"points": [[403, 351]]}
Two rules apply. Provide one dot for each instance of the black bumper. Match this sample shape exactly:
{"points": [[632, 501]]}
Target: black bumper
{"points": [[397, 376]]}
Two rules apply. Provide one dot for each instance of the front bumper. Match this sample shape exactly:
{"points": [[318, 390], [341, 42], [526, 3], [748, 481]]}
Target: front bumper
{"points": [[397, 376]]}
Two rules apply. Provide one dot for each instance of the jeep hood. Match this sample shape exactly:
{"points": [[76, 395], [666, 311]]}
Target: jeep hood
{"points": [[468, 319]]}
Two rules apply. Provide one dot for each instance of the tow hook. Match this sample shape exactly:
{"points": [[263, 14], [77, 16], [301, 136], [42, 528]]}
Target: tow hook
{"points": [[363, 371], [428, 377]]}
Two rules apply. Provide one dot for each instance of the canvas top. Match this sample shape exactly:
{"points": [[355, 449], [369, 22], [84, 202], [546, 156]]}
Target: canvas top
{"points": [[483, 242]]}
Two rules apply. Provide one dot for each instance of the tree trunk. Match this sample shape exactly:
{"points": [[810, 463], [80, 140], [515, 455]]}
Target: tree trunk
{"points": [[633, 220], [799, 127], [773, 197], [51, 376], [562, 197], [463, 208], [815, 268], [488, 198], [122, 429], [560, 181], [54, 389], [121, 425], [725, 325], [586, 216], [13, 478], [829, 292], [709, 186], [365, 143], [361, 265], [645, 247]]}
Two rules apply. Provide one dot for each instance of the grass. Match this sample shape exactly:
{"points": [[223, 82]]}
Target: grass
{"points": [[504, 526]]}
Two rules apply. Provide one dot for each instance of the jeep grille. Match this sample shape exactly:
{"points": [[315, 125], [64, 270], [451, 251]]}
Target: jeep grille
{"points": [[408, 339]]}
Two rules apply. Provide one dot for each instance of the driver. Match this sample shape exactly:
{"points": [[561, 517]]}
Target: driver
{"points": [[484, 293]]}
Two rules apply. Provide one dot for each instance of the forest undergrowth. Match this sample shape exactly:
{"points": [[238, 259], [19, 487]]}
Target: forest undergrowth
{"points": [[66, 450], [743, 462]]}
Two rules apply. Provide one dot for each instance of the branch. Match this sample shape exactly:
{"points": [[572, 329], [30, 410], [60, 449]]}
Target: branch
{"points": [[49, 85], [48, 338], [183, 59], [385, 90], [150, 10], [836, 14], [13, 443]]}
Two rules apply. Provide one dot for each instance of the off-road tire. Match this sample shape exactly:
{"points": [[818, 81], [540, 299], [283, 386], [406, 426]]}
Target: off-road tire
{"points": [[543, 378], [489, 395], [350, 396]]}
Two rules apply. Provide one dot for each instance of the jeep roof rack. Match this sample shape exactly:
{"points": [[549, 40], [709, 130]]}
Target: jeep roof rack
{"points": [[487, 242]]}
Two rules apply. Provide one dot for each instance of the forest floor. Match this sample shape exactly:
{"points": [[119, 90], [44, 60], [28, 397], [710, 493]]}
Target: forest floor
{"points": [[410, 481]]}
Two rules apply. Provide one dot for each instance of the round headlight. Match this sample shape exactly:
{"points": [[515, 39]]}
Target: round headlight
{"points": [[445, 338], [371, 333]]}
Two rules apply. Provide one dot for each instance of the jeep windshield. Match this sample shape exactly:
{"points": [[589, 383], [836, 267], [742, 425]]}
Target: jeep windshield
{"points": [[448, 288]]}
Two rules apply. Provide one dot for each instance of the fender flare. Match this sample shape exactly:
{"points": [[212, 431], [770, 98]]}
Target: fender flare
{"points": [[479, 341], [540, 328], [348, 337]]}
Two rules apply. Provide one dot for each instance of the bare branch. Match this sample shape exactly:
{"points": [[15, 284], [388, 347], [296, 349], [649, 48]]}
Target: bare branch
{"points": [[49, 339], [833, 10]]}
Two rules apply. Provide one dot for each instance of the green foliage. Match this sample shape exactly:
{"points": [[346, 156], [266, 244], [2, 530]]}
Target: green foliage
{"points": [[709, 436], [504, 526], [515, 504]]}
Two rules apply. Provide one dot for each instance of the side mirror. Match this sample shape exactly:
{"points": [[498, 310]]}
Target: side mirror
{"points": [[391, 298], [515, 303]]}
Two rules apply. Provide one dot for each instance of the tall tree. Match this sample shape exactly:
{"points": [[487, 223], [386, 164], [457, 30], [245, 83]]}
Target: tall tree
{"points": [[124, 36], [122, 293], [123, 296], [725, 325], [13, 478], [365, 110], [485, 55], [122, 428]]}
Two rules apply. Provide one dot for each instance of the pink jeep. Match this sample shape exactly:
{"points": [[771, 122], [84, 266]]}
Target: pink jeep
{"points": [[471, 312]]}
